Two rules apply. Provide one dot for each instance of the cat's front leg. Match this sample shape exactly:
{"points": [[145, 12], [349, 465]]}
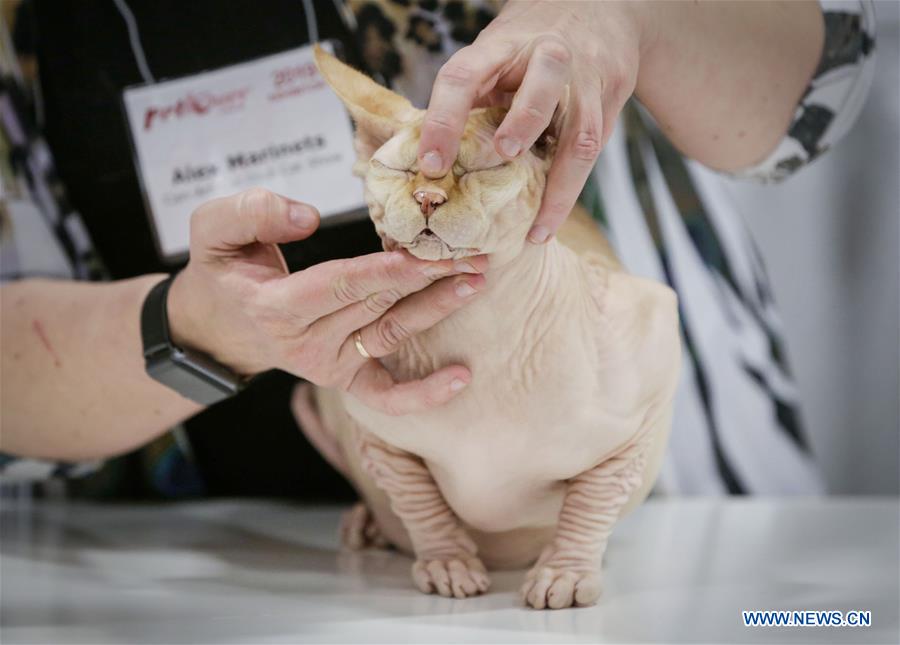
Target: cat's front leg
{"points": [[446, 557], [568, 572]]}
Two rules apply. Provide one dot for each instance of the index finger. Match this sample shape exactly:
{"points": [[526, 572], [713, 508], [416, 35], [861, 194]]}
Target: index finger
{"points": [[469, 73], [327, 287], [545, 80], [578, 149]]}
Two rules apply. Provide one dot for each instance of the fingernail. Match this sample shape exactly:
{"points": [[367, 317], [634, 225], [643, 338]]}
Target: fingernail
{"points": [[457, 384], [435, 270], [432, 163], [301, 216], [539, 234], [509, 147], [464, 289], [464, 267]]}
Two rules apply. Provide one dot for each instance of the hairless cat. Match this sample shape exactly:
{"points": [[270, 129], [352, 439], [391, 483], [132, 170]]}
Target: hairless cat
{"points": [[574, 366]]}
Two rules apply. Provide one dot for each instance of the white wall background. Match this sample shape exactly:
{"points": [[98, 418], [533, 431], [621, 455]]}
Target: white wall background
{"points": [[830, 237]]}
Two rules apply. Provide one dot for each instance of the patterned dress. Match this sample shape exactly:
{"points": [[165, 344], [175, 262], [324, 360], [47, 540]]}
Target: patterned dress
{"points": [[736, 429]]}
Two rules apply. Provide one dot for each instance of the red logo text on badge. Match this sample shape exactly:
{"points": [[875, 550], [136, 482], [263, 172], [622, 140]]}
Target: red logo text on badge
{"points": [[197, 104]]}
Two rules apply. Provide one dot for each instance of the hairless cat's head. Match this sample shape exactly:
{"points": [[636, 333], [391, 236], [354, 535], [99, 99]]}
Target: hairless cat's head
{"points": [[483, 205]]}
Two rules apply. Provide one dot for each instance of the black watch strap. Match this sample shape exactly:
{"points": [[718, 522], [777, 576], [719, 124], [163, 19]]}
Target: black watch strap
{"points": [[192, 374]]}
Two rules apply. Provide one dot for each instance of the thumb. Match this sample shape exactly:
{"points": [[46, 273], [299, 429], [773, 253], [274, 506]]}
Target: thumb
{"points": [[253, 216]]}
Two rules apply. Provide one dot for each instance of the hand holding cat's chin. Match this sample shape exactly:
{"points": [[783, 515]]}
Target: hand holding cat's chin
{"points": [[237, 302], [576, 60]]}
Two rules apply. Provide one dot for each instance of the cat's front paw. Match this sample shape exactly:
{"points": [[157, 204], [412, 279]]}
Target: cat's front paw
{"points": [[452, 578], [548, 587]]}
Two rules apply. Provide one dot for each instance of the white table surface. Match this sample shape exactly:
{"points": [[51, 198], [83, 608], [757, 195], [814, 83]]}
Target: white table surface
{"points": [[266, 572]]}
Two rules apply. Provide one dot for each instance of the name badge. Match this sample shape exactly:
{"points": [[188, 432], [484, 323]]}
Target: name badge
{"points": [[270, 122]]}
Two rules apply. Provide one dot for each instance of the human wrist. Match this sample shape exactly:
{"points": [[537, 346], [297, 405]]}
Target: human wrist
{"points": [[185, 311], [195, 323], [193, 374]]}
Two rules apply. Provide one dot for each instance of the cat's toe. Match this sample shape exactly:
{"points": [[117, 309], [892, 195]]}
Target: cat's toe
{"points": [[553, 588], [454, 578], [359, 530]]}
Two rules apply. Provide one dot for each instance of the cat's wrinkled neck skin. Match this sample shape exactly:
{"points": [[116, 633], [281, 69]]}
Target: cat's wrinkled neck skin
{"points": [[529, 274], [522, 300]]}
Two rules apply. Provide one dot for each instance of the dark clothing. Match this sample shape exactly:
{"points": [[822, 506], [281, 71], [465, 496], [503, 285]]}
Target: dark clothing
{"points": [[249, 444]]}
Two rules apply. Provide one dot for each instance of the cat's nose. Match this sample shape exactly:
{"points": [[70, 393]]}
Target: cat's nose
{"points": [[428, 201]]}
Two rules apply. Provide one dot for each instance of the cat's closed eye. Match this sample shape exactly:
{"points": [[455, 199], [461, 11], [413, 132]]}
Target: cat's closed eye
{"points": [[385, 170], [459, 170]]}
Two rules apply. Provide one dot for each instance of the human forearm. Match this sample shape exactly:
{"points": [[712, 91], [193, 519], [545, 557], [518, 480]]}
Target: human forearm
{"points": [[723, 78], [73, 380], [73, 383]]}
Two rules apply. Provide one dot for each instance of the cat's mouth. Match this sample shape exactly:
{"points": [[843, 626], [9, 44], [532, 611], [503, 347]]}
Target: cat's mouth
{"points": [[427, 245]]}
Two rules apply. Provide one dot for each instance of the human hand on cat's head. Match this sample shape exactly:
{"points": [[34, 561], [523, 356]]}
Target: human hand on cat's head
{"points": [[484, 204], [237, 302], [537, 58]]}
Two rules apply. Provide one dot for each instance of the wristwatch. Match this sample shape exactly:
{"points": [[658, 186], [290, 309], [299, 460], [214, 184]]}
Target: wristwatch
{"points": [[192, 374]]}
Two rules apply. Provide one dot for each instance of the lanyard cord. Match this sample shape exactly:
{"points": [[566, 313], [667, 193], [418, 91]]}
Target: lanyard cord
{"points": [[312, 22], [134, 38], [137, 49]]}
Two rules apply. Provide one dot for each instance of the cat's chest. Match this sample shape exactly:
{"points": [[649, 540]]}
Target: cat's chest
{"points": [[533, 411], [502, 449]]}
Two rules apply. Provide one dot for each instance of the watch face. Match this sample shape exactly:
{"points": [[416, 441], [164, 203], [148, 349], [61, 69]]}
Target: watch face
{"points": [[193, 376]]}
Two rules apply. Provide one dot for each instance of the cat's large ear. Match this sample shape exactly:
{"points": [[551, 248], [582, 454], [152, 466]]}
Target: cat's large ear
{"points": [[377, 111]]}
